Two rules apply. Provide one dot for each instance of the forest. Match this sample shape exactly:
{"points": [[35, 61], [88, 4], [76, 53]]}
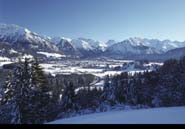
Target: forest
{"points": [[29, 96]]}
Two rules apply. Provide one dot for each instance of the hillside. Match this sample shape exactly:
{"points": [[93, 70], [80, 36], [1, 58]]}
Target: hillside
{"points": [[172, 115]]}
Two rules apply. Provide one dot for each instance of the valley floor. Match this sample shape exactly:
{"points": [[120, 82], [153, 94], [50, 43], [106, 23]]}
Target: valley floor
{"points": [[171, 115]]}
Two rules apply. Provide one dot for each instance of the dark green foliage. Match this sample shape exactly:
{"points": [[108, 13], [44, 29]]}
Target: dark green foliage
{"points": [[68, 98], [30, 96], [26, 94], [163, 87], [88, 99]]}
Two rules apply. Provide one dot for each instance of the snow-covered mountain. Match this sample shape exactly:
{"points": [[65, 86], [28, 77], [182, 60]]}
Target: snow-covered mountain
{"points": [[163, 46], [82, 47], [22, 37], [98, 45], [23, 40], [56, 40], [138, 47], [65, 45], [175, 53], [110, 42], [128, 48]]}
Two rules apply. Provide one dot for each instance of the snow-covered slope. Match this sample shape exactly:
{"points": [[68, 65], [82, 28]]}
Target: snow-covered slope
{"points": [[138, 47], [110, 42], [20, 37], [57, 40], [95, 44], [54, 55], [81, 44], [82, 47], [65, 45], [172, 115], [16, 40], [88, 47], [164, 45], [128, 47], [21, 40], [175, 53]]}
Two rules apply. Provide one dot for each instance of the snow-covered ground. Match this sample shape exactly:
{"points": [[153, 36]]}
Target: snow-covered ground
{"points": [[171, 115], [99, 72], [55, 55], [4, 60]]}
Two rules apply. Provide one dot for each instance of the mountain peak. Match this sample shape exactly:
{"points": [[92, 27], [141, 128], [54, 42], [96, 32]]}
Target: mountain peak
{"points": [[57, 40]]}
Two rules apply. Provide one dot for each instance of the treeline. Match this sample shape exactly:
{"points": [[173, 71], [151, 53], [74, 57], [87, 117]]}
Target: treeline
{"points": [[31, 97], [26, 98], [163, 87]]}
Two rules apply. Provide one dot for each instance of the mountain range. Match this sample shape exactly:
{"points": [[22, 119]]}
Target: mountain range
{"points": [[16, 41]]}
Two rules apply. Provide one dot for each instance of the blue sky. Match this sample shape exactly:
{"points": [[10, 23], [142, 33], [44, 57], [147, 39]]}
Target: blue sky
{"points": [[98, 19]]}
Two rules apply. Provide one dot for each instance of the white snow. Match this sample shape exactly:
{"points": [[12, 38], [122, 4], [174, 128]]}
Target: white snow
{"points": [[110, 73], [2, 59], [171, 115], [62, 68], [55, 55], [153, 63], [4, 63], [56, 40], [82, 44], [12, 51], [14, 32], [27, 56], [89, 70], [91, 88], [68, 39]]}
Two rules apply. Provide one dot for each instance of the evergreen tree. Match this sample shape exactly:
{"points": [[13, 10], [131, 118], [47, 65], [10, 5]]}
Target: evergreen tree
{"points": [[68, 98], [16, 94], [41, 99], [108, 95], [6, 101], [21, 93], [25, 96], [7, 90]]}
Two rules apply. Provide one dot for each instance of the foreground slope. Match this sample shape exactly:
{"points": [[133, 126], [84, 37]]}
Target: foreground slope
{"points": [[172, 115]]}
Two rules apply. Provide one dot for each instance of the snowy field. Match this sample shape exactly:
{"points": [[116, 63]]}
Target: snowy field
{"points": [[172, 115], [55, 55], [96, 68], [4, 60]]}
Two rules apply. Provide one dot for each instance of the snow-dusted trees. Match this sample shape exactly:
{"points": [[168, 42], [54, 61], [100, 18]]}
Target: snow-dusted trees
{"points": [[171, 84], [17, 94], [32, 97], [6, 100], [41, 98], [7, 89], [163, 87], [108, 95], [68, 102], [26, 95]]}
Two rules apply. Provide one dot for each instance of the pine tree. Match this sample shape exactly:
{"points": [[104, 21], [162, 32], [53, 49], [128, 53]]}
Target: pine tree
{"points": [[106, 88], [68, 98], [41, 101], [6, 101], [22, 92], [7, 90], [16, 101], [108, 95], [39, 80]]}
